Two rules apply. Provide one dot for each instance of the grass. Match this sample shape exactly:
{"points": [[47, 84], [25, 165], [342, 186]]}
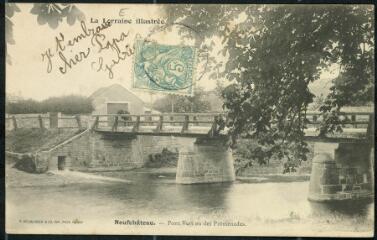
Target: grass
{"points": [[31, 140]]}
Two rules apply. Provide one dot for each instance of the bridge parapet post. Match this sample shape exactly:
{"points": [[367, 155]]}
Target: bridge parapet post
{"points": [[78, 121], [40, 120], [370, 128], [137, 124], [160, 122], [185, 124], [115, 125], [14, 120], [95, 124], [205, 160]]}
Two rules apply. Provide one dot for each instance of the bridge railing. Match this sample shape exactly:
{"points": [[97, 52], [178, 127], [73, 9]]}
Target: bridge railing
{"points": [[170, 122], [45, 121], [353, 123], [349, 119], [360, 123]]}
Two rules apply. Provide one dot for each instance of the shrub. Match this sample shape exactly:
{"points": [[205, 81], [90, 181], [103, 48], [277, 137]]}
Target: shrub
{"points": [[71, 104]]}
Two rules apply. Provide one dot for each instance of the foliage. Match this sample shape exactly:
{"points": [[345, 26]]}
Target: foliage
{"points": [[274, 52], [166, 158], [10, 10], [71, 104], [124, 118], [249, 154], [318, 101], [26, 163], [51, 13], [23, 106], [181, 104]]}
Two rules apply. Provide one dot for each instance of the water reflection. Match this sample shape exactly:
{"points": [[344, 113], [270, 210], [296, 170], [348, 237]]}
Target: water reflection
{"points": [[151, 193], [206, 197], [350, 208], [155, 195]]}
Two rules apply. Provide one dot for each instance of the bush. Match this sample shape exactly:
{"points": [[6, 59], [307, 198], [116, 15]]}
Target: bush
{"points": [[164, 159], [24, 106], [72, 104], [26, 164], [196, 103], [249, 154]]}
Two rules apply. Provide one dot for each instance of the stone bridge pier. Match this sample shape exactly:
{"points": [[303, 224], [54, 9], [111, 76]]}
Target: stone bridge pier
{"points": [[342, 171], [204, 160]]}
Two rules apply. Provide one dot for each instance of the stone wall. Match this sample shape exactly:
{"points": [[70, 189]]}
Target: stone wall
{"points": [[75, 151], [115, 152], [91, 151]]}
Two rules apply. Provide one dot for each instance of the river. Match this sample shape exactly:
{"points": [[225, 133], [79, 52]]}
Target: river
{"points": [[264, 208]]}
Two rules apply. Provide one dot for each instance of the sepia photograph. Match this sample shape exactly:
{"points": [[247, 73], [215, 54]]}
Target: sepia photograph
{"points": [[190, 119]]}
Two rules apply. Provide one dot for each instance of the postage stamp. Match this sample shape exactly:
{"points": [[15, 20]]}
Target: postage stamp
{"points": [[164, 68]]}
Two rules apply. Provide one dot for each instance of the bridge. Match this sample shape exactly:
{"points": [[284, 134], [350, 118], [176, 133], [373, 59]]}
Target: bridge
{"points": [[356, 125], [342, 167], [342, 164]]}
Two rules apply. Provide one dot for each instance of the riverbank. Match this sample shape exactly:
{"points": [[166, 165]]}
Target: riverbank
{"points": [[32, 140], [274, 178], [18, 178], [255, 178]]}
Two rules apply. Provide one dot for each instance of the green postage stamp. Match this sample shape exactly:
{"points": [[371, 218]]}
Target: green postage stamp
{"points": [[164, 68]]}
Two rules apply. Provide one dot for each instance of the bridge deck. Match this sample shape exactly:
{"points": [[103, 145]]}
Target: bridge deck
{"points": [[310, 134], [213, 124], [195, 131]]}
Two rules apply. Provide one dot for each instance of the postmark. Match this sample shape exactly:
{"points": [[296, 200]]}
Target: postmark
{"points": [[164, 68]]}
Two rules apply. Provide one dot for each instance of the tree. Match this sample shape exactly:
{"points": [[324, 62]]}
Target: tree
{"points": [[181, 104], [72, 104], [318, 101], [274, 52], [50, 13], [23, 106]]}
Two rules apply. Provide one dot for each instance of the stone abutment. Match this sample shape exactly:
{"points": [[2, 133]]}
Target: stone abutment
{"points": [[205, 160], [342, 171]]}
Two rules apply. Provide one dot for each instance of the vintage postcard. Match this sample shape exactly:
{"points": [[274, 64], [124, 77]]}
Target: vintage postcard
{"points": [[190, 119]]}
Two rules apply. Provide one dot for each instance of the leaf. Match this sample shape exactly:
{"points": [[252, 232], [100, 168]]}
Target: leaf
{"points": [[37, 8], [53, 14], [9, 31], [53, 21], [10, 9], [72, 13], [41, 19]]}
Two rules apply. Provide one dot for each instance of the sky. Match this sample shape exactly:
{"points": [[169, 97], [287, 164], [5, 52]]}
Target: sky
{"points": [[28, 76]]}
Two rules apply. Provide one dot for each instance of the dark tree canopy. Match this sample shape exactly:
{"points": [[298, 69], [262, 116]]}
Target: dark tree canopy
{"points": [[274, 52], [71, 104]]}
